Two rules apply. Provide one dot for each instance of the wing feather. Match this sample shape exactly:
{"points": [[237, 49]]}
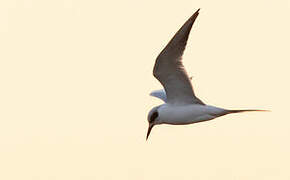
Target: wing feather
{"points": [[161, 94], [169, 70]]}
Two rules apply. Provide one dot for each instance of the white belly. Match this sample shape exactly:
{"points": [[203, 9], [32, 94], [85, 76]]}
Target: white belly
{"points": [[187, 114]]}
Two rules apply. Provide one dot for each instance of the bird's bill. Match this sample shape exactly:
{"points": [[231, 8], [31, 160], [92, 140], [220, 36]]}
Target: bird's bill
{"points": [[149, 130]]}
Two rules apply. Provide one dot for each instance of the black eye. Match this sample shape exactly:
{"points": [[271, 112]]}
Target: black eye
{"points": [[153, 116]]}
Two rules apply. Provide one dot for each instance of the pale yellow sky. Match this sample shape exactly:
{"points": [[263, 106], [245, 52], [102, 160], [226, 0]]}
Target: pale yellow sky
{"points": [[75, 77]]}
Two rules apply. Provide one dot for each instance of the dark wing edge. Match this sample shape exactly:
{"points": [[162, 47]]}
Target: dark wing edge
{"points": [[177, 44]]}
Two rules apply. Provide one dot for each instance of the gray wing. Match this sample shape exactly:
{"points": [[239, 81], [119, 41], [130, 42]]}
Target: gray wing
{"points": [[161, 94], [169, 70]]}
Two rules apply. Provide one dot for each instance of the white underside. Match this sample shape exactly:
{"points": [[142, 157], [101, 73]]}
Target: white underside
{"points": [[187, 114]]}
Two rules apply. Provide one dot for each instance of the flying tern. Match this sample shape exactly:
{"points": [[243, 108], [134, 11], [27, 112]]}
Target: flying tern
{"points": [[181, 106]]}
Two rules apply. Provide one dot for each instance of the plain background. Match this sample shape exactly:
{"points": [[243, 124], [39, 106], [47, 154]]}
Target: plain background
{"points": [[75, 77]]}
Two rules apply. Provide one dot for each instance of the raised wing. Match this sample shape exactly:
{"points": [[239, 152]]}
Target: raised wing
{"points": [[161, 94], [169, 70]]}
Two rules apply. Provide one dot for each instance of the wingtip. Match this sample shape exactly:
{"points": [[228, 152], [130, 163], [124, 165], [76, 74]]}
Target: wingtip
{"points": [[197, 11], [195, 14]]}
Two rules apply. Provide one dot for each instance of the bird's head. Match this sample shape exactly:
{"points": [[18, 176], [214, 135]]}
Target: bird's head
{"points": [[152, 118]]}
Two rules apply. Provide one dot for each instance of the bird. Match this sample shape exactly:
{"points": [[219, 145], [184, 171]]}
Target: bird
{"points": [[181, 106]]}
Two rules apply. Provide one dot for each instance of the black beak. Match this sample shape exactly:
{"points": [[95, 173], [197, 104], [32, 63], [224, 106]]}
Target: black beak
{"points": [[149, 130]]}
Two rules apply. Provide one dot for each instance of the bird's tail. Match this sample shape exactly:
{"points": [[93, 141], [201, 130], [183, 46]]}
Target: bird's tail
{"points": [[244, 110]]}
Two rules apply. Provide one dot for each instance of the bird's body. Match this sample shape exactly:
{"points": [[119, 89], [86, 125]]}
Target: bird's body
{"points": [[187, 114], [181, 106]]}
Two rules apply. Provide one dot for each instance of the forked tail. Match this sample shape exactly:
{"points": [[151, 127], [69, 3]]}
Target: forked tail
{"points": [[244, 110]]}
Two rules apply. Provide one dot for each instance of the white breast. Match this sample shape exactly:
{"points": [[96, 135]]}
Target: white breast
{"points": [[187, 114]]}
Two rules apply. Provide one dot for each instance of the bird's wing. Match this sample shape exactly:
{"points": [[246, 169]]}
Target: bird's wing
{"points": [[161, 94], [169, 70]]}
